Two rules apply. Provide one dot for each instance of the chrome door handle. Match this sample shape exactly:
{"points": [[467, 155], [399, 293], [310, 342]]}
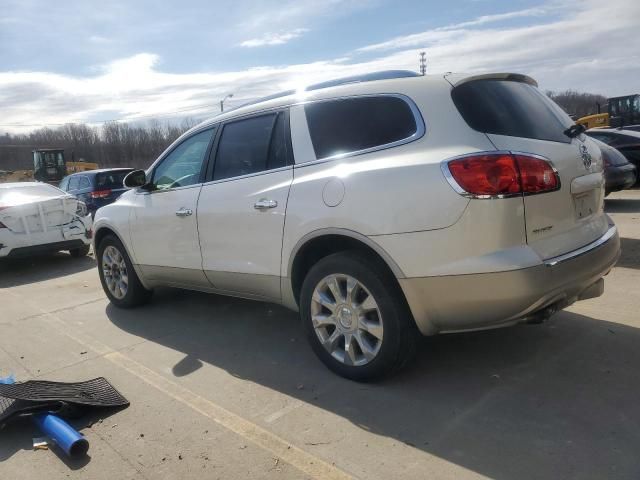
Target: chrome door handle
{"points": [[184, 212], [264, 204]]}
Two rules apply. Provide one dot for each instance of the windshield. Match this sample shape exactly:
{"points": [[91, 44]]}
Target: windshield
{"points": [[511, 108]]}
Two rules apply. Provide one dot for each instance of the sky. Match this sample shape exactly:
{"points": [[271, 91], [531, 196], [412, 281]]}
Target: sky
{"points": [[94, 61]]}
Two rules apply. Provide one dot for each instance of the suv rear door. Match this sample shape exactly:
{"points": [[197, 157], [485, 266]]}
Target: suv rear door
{"points": [[517, 117]]}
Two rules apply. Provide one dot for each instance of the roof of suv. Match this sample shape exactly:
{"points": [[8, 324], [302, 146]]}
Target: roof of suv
{"points": [[376, 82], [100, 170]]}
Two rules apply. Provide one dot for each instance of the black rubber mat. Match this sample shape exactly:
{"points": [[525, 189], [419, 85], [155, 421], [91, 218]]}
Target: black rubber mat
{"points": [[10, 407], [97, 392], [66, 399]]}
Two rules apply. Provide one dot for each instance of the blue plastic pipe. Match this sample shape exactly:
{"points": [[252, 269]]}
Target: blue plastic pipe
{"points": [[64, 435]]}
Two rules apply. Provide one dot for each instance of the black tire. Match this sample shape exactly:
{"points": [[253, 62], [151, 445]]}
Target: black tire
{"points": [[136, 294], [80, 252], [400, 336]]}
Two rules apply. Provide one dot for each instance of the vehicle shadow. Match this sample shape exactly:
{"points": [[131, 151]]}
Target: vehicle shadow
{"points": [[630, 254], [622, 205], [23, 271], [558, 400]]}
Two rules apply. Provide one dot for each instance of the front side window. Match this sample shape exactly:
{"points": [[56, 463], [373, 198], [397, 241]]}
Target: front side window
{"points": [[183, 165], [251, 145], [353, 124]]}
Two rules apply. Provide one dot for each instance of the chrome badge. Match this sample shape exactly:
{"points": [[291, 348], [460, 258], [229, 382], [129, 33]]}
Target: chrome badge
{"points": [[585, 156]]}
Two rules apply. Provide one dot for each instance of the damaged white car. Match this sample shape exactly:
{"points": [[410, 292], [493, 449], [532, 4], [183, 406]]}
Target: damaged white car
{"points": [[38, 218]]}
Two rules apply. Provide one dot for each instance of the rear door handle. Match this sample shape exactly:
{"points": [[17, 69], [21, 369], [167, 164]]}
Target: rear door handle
{"points": [[184, 212], [264, 204]]}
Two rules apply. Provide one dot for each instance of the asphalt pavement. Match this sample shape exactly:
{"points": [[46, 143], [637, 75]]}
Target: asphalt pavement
{"points": [[228, 388]]}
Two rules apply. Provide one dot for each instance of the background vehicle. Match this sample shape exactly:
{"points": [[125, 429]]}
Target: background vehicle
{"points": [[626, 141], [619, 174], [96, 188], [378, 209], [49, 165], [621, 111], [38, 218]]}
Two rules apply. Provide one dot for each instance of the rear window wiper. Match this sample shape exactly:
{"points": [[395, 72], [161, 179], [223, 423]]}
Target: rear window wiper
{"points": [[574, 130]]}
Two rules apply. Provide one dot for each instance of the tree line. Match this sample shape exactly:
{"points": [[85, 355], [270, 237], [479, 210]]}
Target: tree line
{"points": [[114, 144], [118, 144], [579, 104]]}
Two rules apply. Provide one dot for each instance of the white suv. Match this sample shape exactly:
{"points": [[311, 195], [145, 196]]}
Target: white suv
{"points": [[380, 207]]}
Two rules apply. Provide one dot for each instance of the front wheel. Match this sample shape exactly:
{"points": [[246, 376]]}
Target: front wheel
{"points": [[356, 318], [118, 278]]}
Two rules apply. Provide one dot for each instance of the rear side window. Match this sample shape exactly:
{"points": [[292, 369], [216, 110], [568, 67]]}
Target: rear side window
{"points": [[354, 124], [250, 146], [111, 179], [514, 109]]}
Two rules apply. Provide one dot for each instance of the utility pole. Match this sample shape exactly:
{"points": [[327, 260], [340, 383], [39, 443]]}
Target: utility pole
{"points": [[223, 100], [423, 63]]}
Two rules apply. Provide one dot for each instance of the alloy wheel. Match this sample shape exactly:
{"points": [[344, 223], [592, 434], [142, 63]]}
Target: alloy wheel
{"points": [[347, 320], [114, 270]]}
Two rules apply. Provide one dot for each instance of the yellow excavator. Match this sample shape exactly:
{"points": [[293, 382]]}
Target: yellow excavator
{"points": [[49, 165], [620, 111]]}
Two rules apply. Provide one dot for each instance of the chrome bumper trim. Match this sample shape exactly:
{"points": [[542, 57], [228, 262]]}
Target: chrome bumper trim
{"points": [[581, 251]]}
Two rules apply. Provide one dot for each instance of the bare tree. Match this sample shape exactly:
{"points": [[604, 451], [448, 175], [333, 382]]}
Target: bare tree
{"points": [[114, 144], [578, 104]]}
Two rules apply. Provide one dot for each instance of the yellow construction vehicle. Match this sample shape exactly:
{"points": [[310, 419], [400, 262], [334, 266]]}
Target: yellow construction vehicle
{"points": [[620, 111], [49, 165]]}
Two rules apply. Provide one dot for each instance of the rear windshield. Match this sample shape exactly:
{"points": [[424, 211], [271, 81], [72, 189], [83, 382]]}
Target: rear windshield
{"points": [[511, 108], [11, 196], [111, 179]]}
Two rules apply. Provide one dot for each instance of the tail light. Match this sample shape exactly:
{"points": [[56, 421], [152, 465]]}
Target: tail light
{"points": [[100, 194], [489, 175]]}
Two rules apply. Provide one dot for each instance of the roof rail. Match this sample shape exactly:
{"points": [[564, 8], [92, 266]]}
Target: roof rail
{"points": [[367, 77]]}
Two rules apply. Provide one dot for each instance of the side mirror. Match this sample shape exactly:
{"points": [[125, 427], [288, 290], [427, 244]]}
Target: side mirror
{"points": [[135, 179]]}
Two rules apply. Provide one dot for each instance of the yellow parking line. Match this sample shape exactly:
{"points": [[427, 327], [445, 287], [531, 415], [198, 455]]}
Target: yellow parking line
{"points": [[296, 457], [293, 455]]}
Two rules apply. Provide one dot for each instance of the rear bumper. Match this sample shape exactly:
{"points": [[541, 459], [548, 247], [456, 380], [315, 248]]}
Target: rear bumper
{"points": [[34, 250], [488, 300]]}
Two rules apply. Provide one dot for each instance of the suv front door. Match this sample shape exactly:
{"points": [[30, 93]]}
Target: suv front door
{"points": [[164, 231], [241, 209]]}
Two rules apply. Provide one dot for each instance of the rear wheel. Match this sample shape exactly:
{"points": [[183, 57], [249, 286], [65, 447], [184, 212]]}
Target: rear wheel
{"points": [[118, 278], [80, 252], [356, 318]]}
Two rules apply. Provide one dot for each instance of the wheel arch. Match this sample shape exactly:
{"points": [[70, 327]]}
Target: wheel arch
{"points": [[103, 231], [321, 243]]}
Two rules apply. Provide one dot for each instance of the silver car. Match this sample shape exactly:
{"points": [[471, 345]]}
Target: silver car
{"points": [[381, 207]]}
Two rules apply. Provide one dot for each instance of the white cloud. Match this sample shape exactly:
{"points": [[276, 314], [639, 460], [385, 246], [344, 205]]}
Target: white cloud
{"points": [[585, 45], [449, 31], [274, 38]]}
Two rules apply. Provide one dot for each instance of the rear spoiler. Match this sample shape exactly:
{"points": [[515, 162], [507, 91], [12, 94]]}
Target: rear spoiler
{"points": [[457, 80]]}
